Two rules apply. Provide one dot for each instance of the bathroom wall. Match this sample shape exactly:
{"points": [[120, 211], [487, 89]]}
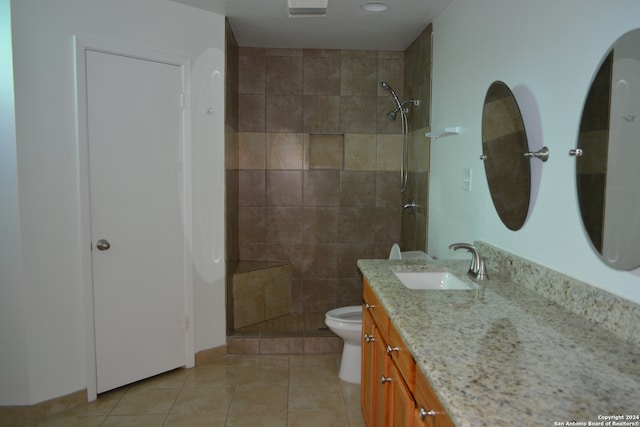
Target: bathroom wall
{"points": [[318, 166], [547, 52], [417, 85]]}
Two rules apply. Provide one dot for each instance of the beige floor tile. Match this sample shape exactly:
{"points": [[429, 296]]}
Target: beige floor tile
{"points": [[317, 419], [134, 421], [316, 398], [259, 400], [211, 375], [233, 391], [248, 377], [198, 400], [103, 405], [328, 360], [351, 394], [141, 401], [172, 379], [257, 420], [73, 421], [313, 375], [355, 417], [196, 420]]}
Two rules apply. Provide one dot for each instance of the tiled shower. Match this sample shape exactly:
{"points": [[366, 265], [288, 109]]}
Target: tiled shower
{"points": [[316, 167]]}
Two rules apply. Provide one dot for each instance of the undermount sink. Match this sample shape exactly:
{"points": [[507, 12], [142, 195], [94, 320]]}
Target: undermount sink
{"points": [[432, 280]]}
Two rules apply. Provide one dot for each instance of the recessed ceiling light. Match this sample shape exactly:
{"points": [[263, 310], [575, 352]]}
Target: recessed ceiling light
{"points": [[375, 7]]}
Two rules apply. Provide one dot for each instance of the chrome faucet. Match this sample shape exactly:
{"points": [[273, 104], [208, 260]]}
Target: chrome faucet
{"points": [[477, 269]]}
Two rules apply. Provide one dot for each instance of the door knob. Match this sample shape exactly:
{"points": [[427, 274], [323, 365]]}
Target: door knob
{"points": [[103, 244]]}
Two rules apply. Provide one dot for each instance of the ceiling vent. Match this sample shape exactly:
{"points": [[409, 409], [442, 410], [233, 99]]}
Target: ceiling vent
{"points": [[307, 8]]}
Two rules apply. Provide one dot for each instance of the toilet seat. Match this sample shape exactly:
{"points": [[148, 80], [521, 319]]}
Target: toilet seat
{"points": [[349, 314]]}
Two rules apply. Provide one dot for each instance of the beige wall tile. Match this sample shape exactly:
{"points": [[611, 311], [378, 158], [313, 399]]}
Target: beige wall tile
{"points": [[319, 188], [321, 75], [284, 225], [252, 225], [283, 113], [321, 113], [358, 114], [251, 70], [252, 187], [359, 76], [348, 53], [251, 51], [230, 148], [390, 70], [320, 224], [322, 52], [282, 52], [251, 150], [284, 188], [389, 152], [283, 75], [386, 104], [277, 296], [326, 151], [248, 297], [360, 151], [285, 150], [253, 114], [420, 146], [357, 188], [399, 54]]}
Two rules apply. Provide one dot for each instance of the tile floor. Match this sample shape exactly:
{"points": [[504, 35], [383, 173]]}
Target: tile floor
{"points": [[233, 391]]}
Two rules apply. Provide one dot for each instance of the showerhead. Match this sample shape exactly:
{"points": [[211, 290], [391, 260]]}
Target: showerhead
{"points": [[385, 86], [392, 115]]}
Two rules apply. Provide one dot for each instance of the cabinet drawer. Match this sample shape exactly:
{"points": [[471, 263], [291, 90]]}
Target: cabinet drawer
{"points": [[373, 306], [402, 357], [433, 414]]}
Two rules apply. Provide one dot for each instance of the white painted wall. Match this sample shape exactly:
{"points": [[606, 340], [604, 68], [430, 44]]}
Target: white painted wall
{"points": [[13, 343], [49, 295], [547, 52]]}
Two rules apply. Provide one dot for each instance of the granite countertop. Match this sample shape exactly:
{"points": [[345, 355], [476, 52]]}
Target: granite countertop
{"points": [[506, 356]]}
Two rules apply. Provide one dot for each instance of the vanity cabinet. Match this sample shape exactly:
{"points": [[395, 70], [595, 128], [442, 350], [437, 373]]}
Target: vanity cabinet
{"points": [[393, 393]]}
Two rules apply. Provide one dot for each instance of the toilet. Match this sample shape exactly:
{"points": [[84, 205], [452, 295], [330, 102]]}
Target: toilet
{"points": [[346, 322]]}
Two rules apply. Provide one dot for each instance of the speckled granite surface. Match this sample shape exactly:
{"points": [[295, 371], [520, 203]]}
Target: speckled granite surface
{"points": [[506, 356], [616, 314]]}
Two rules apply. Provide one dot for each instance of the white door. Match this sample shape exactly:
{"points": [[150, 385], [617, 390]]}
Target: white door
{"points": [[135, 169]]}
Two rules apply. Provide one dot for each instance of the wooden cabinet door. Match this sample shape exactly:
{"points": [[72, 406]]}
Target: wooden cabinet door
{"points": [[429, 411], [401, 401], [382, 383], [368, 369]]}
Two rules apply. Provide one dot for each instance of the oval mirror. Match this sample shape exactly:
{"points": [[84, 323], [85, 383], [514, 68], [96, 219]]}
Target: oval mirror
{"points": [[607, 172], [504, 143]]}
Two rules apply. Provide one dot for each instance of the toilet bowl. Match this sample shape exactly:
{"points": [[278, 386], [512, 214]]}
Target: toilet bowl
{"points": [[346, 322]]}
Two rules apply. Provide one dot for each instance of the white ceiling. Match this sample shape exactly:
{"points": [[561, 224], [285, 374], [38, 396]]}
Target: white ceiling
{"points": [[266, 23]]}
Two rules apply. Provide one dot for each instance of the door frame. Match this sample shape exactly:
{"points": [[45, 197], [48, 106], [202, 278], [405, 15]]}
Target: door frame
{"points": [[81, 46]]}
